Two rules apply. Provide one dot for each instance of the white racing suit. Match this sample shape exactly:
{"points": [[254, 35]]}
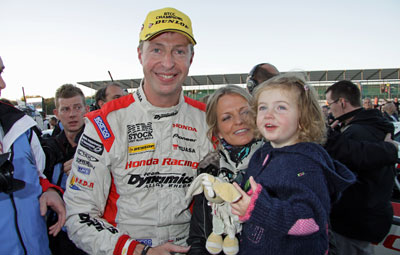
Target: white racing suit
{"points": [[130, 173]]}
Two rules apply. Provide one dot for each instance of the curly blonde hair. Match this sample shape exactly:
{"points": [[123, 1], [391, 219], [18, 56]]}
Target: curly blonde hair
{"points": [[311, 119]]}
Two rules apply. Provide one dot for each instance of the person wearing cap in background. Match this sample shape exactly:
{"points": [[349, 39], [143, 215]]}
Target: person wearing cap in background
{"points": [[137, 156], [25, 193], [259, 74]]}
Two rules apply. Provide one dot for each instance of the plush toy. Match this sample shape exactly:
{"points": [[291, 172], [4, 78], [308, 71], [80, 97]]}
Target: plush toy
{"points": [[220, 194]]}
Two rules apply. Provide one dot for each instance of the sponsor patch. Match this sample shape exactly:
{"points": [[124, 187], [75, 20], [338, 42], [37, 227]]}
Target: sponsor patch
{"points": [[183, 138], [165, 162], [139, 95], [99, 225], [84, 170], [179, 162], [176, 239], [102, 127], [87, 155], [146, 162], [148, 242], [156, 179], [84, 162], [78, 184], [179, 238], [184, 127], [141, 148], [140, 132], [91, 145], [181, 148], [165, 115]]}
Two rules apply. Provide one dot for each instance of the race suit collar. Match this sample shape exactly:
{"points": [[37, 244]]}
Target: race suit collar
{"points": [[161, 111]]}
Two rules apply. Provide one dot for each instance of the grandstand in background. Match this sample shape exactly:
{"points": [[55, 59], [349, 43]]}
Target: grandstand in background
{"points": [[380, 83]]}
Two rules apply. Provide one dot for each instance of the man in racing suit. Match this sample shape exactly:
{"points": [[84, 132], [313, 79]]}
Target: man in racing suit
{"points": [[138, 154]]}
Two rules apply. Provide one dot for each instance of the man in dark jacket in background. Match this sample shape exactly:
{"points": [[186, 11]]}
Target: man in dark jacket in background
{"points": [[60, 150], [364, 213]]}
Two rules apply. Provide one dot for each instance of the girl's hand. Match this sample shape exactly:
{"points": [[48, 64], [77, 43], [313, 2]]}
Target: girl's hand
{"points": [[240, 207]]}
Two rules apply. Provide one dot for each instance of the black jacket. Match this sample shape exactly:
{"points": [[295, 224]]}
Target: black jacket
{"points": [[364, 212], [200, 226], [57, 150], [57, 129], [201, 221]]}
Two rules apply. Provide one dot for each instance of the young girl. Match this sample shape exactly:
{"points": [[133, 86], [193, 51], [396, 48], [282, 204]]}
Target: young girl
{"points": [[291, 180]]}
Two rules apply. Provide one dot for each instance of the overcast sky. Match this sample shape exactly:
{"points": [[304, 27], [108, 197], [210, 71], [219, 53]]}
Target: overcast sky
{"points": [[47, 43]]}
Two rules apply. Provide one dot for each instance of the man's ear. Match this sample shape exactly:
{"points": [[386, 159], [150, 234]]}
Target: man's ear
{"points": [[342, 103], [55, 112], [139, 55], [191, 58], [101, 103]]}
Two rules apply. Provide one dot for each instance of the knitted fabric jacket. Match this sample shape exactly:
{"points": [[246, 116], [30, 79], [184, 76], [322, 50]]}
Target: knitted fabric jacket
{"points": [[289, 211]]}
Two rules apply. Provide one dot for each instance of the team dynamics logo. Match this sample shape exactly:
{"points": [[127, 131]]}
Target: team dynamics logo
{"points": [[102, 127], [183, 138], [141, 148], [99, 225], [91, 145], [156, 179], [181, 148], [140, 132], [165, 115], [87, 155]]}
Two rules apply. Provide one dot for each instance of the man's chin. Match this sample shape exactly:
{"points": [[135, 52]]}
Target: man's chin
{"points": [[73, 129]]}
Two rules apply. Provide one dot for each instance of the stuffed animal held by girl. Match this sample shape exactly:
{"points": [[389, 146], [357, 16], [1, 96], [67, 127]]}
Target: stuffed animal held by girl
{"points": [[220, 194]]}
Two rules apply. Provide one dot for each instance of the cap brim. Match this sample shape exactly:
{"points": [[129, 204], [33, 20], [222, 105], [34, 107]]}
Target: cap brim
{"points": [[191, 39]]}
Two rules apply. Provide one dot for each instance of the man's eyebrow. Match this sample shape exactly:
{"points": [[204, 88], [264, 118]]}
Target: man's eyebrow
{"points": [[157, 44]]}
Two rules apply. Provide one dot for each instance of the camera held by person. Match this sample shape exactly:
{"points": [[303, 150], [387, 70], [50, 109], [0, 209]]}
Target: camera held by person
{"points": [[7, 182]]}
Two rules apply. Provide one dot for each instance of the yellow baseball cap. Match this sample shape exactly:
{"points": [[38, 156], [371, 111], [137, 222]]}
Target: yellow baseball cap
{"points": [[166, 20]]}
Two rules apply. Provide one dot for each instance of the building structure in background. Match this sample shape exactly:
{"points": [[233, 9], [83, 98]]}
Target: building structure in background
{"points": [[381, 83]]}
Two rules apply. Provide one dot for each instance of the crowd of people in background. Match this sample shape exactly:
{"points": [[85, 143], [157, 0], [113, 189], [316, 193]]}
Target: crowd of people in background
{"points": [[113, 178]]}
